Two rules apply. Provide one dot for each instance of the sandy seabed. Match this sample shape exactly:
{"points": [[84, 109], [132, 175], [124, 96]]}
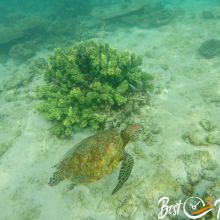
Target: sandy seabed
{"points": [[184, 127]]}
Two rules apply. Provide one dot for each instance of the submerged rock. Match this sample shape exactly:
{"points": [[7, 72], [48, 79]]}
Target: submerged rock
{"points": [[210, 48], [4, 147], [18, 80], [195, 138], [214, 138], [208, 15], [207, 125], [197, 164], [211, 13], [127, 208], [210, 135], [22, 51], [9, 34], [137, 13], [117, 11]]}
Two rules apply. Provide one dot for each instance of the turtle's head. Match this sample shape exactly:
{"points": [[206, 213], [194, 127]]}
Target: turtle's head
{"points": [[55, 179], [131, 132]]}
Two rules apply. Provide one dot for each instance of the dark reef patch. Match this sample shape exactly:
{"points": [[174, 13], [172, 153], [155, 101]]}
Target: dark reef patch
{"points": [[210, 48]]}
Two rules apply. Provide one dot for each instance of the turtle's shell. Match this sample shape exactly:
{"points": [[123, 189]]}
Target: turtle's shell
{"points": [[93, 158]]}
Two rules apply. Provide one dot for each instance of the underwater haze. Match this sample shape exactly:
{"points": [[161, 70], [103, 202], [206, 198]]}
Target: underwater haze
{"points": [[122, 96]]}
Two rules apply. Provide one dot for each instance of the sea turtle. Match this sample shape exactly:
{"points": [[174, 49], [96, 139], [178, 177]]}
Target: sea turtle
{"points": [[98, 156]]}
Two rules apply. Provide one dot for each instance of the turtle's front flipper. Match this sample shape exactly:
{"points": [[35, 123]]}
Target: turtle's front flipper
{"points": [[55, 179], [126, 167]]}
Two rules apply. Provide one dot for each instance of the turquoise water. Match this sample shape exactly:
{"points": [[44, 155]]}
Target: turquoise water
{"points": [[177, 153]]}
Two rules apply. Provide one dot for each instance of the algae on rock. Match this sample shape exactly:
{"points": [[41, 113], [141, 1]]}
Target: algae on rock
{"points": [[198, 165], [209, 135]]}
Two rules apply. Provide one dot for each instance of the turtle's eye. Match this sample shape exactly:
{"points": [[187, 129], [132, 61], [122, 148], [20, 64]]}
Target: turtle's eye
{"points": [[140, 129]]}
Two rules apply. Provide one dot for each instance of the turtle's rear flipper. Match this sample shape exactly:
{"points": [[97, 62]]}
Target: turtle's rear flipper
{"points": [[126, 167]]}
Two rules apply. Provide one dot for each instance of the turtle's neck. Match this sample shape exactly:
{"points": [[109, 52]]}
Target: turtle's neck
{"points": [[125, 137]]}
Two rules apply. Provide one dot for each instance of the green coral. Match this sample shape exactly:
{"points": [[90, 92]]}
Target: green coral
{"points": [[88, 83]]}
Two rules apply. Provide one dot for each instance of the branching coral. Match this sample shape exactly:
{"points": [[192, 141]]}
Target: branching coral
{"points": [[88, 83]]}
